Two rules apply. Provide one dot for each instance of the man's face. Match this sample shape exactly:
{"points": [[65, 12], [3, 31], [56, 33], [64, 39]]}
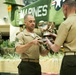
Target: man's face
{"points": [[30, 23]]}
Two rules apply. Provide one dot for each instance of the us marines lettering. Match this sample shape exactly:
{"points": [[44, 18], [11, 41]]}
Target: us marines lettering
{"points": [[35, 11]]}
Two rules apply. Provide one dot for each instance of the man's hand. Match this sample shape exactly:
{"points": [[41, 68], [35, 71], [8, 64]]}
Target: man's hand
{"points": [[48, 42], [53, 35], [36, 41]]}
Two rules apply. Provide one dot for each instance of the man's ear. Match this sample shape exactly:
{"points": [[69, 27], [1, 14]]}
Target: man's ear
{"points": [[24, 22], [65, 7]]}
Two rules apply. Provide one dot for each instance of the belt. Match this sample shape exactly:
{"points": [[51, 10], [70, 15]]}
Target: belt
{"points": [[69, 53], [31, 60]]}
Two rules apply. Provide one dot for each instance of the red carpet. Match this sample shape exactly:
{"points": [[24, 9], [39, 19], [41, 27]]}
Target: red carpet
{"points": [[48, 74]]}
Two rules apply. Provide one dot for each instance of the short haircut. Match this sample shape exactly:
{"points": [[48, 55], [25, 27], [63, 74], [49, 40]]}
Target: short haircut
{"points": [[27, 16], [70, 3]]}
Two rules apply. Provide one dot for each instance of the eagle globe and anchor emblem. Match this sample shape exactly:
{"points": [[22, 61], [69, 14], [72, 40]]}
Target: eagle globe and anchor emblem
{"points": [[57, 4]]}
